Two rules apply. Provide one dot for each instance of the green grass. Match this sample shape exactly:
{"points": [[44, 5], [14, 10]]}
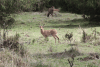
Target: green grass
{"points": [[27, 25]]}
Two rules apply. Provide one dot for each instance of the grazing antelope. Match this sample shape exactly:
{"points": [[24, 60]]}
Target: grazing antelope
{"points": [[47, 33], [51, 10]]}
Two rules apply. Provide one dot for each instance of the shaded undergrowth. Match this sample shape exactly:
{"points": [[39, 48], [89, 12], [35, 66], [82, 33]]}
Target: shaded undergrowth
{"points": [[73, 52]]}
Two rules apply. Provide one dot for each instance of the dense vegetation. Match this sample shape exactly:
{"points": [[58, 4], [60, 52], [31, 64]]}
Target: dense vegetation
{"points": [[19, 30], [88, 7]]}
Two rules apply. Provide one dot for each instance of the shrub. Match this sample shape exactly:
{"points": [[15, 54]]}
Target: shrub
{"points": [[90, 8], [10, 21], [91, 65], [6, 20], [69, 36], [13, 44], [74, 52], [8, 56], [33, 41], [86, 37]]}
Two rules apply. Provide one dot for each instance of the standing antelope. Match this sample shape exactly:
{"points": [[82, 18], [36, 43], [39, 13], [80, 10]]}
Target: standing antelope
{"points": [[47, 33]]}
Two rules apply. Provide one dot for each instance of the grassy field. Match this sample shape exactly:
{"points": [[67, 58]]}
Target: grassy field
{"points": [[47, 53]]}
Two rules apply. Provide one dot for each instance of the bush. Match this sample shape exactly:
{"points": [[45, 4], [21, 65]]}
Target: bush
{"points": [[33, 41], [69, 36], [91, 65], [86, 37], [10, 21], [90, 8], [8, 56], [13, 44], [6, 20], [74, 51], [12, 6]]}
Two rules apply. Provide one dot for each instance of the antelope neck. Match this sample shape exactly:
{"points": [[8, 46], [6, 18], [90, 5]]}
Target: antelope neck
{"points": [[42, 30]]}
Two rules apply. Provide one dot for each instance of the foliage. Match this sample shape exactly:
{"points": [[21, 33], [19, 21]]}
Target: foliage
{"points": [[91, 65], [33, 41], [69, 36], [10, 6], [13, 44], [84, 36], [6, 20], [8, 56], [88, 7], [87, 38]]}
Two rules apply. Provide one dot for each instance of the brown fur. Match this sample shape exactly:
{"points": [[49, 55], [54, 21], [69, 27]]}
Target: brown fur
{"points": [[51, 10], [47, 33]]}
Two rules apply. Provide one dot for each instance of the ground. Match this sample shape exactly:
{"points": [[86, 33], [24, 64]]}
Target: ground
{"points": [[47, 53]]}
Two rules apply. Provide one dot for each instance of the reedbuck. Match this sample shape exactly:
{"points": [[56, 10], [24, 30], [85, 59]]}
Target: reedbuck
{"points": [[51, 11], [47, 33]]}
